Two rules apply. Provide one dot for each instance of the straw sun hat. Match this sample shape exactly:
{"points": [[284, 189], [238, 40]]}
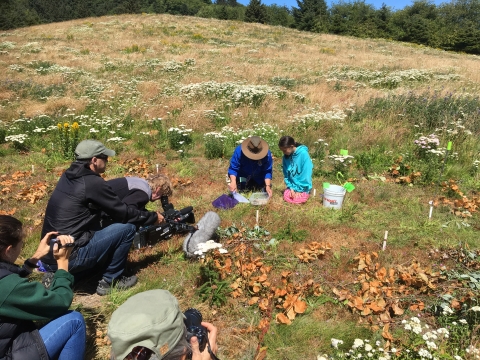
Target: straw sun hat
{"points": [[255, 148]]}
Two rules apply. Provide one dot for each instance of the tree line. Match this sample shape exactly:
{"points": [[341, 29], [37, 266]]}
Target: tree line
{"points": [[453, 26]]}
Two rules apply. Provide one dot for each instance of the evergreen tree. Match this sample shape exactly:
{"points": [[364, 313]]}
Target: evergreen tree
{"points": [[416, 23], [256, 12], [279, 15], [311, 15], [17, 13], [223, 13]]}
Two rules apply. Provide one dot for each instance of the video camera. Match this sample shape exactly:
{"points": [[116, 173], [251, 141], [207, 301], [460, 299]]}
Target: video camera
{"points": [[175, 222]]}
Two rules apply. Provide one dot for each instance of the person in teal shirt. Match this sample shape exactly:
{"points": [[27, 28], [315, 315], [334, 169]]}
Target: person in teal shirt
{"points": [[297, 170]]}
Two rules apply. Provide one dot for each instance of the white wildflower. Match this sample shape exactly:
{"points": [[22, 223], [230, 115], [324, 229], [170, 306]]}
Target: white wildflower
{"points": [[336, 342]]}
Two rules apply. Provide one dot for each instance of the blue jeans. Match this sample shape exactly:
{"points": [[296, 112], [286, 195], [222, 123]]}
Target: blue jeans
{"points": [[64, 337], [109, 247]]}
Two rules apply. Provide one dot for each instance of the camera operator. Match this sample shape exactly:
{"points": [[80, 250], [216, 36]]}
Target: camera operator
{"points": [[150, 325], [75, 208], [137, 192]]}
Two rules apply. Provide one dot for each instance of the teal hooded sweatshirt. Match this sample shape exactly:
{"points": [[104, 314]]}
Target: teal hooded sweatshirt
{"points": [[297, 170]]}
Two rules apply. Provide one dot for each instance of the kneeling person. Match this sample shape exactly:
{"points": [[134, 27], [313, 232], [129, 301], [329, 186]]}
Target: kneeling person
{"points": [[76, 207], [137, 192]]}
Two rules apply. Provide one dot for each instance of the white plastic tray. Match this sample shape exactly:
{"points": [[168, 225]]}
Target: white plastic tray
{"points": [[259, 198]]}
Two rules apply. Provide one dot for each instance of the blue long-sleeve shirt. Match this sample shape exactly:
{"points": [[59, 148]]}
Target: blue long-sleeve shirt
{"points": [[297, 170], [258, 170]]}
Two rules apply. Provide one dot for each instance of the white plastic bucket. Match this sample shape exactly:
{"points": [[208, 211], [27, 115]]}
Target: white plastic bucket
{"points": [[333, 196]]}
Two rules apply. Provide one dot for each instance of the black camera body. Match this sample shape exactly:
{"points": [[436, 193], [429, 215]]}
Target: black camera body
{"points": [[175, 222], [58, 242], [193, 323]]}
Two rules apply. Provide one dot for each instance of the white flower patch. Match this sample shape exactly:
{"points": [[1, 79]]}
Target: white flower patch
{"points": [[116, 139], [234, 92], [19, 138], [336, 342], [428, 142], [341, 160], [315, 117], [205, 247], [7, 45], [16, 67], [32, 47], [172, 66]]}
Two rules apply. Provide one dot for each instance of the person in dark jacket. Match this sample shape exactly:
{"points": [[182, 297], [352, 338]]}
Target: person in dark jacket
{"points": [[75, 208], [251, 166], [23, 301], [138, 192]]}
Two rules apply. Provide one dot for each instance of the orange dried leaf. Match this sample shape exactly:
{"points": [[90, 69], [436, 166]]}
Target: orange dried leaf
{"points": [[291, 313], [282, 319], [386, 334], [253, 300], [300, 306], [397, 310]]}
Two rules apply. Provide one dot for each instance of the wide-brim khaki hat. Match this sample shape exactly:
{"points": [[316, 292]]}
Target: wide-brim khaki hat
{"points": [[255, 148]]}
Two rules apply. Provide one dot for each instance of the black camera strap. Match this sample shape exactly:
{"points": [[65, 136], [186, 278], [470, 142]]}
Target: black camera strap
{"points": [[212, 355]]}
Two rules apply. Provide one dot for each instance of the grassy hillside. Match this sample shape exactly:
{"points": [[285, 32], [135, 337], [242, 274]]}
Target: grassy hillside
{"points": [[180, 92]]}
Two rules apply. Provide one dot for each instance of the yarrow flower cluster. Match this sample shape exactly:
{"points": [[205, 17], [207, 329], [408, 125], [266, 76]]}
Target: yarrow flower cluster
{"points": [[476, 165], [361, 349], [236, 93], [179, 138], [116, 139], [205, 247], [336, 342], [315, 118], [344, 160], [19, 138], [427, 142]]}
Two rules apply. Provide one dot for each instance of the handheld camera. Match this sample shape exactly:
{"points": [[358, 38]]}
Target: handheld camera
{"points": [[193, 323]]}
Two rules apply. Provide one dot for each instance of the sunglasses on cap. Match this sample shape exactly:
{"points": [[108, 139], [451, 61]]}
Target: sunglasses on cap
{"points": [[102, 157], [139, 353]]}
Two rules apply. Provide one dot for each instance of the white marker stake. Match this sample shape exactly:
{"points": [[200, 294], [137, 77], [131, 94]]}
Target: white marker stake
{"points": [[314, 192], [157, 168], [52, 146], [385, 241], [431, 210], [257, 216], [33, 169]]}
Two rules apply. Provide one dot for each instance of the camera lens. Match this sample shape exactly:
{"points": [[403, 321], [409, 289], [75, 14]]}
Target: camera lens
{"points": [[193, 317]]}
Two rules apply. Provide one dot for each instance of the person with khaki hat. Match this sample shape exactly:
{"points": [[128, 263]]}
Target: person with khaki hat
{"points": [[76, 207], [150, 325], [251, 166]]}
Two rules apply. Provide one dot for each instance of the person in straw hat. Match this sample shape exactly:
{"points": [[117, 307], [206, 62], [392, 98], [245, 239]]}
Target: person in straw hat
{"points": [[251, 166]]}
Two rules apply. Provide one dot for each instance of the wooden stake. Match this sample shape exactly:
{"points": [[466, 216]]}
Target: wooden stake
{"points": [[258, 214], [385, 240]]}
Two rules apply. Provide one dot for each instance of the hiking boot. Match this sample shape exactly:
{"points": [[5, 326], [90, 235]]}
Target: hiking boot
{"points": [[47, 279], [122, 283]]}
